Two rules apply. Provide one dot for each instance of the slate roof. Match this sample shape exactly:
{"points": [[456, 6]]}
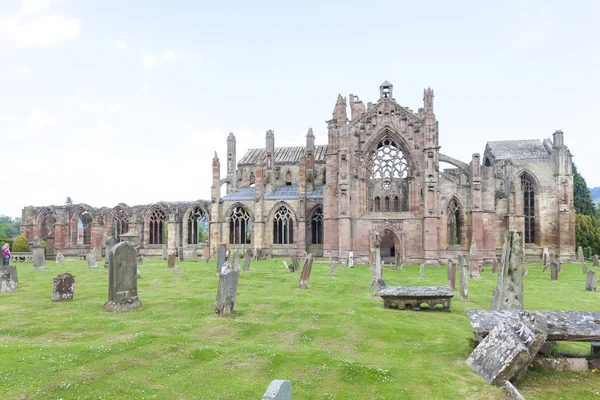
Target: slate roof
{"points": [[283, 155], [517, 149], [280, 193]]}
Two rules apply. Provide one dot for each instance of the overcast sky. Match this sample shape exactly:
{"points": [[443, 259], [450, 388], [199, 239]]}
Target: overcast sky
{"points": [[126, 101]]}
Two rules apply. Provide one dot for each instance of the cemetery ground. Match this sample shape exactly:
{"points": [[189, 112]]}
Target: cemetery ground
{"points": [[333, 341]]}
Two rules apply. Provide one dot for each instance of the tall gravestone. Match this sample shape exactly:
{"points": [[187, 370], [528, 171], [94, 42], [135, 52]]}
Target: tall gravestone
{"points": [[164, 252], [590, 284], [351, 259], [122, 278], [63, 287], [226, 291], [554, 268], [584, 268], [221, 261], [180, 253], [464, 278], [110, 243], [296, 264], [580, 254], [303, 284], [9, 280], [194, 255], [206, 252], [171, 260], [596, 264], [474, 259], [247, 259], [422, 270], [39, 258], [332, 268], [60, 258], [92, 262], [377, 269], [508, 294], [236, 260], [451, 275]]}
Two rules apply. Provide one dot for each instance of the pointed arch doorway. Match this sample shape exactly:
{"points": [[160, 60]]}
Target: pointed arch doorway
{"points": [[391, 246]]}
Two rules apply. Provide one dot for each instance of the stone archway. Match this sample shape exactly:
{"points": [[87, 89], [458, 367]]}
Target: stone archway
{"points": [[391, 246]]}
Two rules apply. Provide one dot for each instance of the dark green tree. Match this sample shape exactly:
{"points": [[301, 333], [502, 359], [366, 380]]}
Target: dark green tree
{"points": [[587, 232], [582, 196]]}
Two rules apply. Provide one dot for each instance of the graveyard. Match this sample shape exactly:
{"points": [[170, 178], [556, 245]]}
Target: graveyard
{"points": [[332, 340]]}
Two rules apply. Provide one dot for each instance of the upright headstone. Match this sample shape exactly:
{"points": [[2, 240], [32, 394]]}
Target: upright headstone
{"points": [[596, 264], [122, 278], [590, 284], [176, 269], [330, 259], [97, 252], [545, 256], [285, 265], [351, 259], [296, 264], [278, 390], [377, 269], [194, 255], [494, 265], [221, 261], [554, 268], [63, 287], [464, 278], [247, 259], [451, 275], [206, 252], [39, 258], [164, 252], [422, 270], [171, 261], [236, 260], [110, 243], [508, 294], [180, 253], [226, 291], [9, 280], [60, 258], [474, 259], [92, 262], [306, 272], [584, 268], [580, 254], [332, 267]]}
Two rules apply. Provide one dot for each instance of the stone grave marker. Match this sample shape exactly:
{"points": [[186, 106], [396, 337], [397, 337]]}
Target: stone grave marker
{"points": [[236, 260], [285, 265], [171, 261], [164, 252], [97, 252], [554, 268], [141, 259], [91, 260], [584, 268], [545, 256], [306, 272], [422, 270], [60, 258], [494, 265], [148, 260], [596, 264], [176, 269], [180, 253], [474, 259], [194, 255], [222, 258], [332, 267], [508, 294], [226, 291], [206, 252], [590, 285], [351, 259], [580, 254], [110, 243], [122, 278], [39, 258], [247, 259], [463, 278], [63, 287], [278, 390], [451, 275], [330, 259], [9, 280], [296, 264], [377, 268]]}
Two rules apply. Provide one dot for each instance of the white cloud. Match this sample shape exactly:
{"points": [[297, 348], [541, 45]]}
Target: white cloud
{"points": [[120, 44], [181, 55], [36, 25], [534, 27], [22, 71], [149, 61], [39, 119], [97, 108]]}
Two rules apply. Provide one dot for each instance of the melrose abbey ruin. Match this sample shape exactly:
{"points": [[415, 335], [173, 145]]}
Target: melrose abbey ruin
{"points": [[380, 172]]}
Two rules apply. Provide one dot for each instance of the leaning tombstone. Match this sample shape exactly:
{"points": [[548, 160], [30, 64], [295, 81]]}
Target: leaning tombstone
{"points": [[278, 390], [63, 287], [226, 291], [306, 272], [554, 268], [60, 258], [247, 259], [122, 278], [171, 261], [39, 258], [590, 285], [110, 243], [451, 275], [508, 294], [222, 258], [9, 281], [164, 252], [92, 262], [464, 278], [584, 268]]}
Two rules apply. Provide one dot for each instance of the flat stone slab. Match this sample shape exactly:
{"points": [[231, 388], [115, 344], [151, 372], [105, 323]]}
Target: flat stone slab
{"points": [[562, 325], [562, 364], [414, 296]]}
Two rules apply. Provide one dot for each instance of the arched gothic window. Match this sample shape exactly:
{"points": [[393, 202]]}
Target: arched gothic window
{"points": [[157, 226], [240, 226], [197, 226], [120, 224], [387, 172], [47, 226], [528, 207], [316, 223], [283, 226], [84, 228], [454, 223]]}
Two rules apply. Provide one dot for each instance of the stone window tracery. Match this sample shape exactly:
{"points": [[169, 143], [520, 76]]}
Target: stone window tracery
{"points": [[454, 223], [157, 225], [197, 226], [317, 226], [387, 172], [283, 226], [240, 226], [120, 224], [84, 228], [528, 207]]}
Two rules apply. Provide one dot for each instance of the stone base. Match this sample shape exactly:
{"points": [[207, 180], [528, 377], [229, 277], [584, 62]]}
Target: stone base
{"points": [[562, 364], [415, 304], [123, 305], [42, 268], [8, 286]]}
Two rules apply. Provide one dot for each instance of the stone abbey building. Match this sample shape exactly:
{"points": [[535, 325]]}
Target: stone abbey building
{"points": [[378, 173]]}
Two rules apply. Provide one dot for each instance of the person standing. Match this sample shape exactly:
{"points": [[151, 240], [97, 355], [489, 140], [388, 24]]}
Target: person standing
{"points": [[6, 254]]}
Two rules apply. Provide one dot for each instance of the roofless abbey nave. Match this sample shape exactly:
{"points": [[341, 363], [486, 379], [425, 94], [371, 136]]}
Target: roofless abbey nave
{"points": [[379, 172]]}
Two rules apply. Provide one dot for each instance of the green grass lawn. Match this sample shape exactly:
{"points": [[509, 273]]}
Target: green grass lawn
{"points": [[332, 340]]}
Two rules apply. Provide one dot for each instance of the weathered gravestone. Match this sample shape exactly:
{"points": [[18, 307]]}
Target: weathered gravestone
{"points": [[377, 268], [206, 252], [122, 278], [236, 260], [285, 265], [584, 268], [222, 258], [171, 261], [332, 267], [176, 269], [554, 269], [306, 272], [92, 262], [463, 278], [596, 263], [580, 254], [9, 280], [60, 258], [451, 275], [508, 294], [545, 256], [63, 287], [194, 255], [278, 390], [590, 284], [494, 265], [509, 348], [97, 252], [164, 252], [227, 291], [351, 260], [247, 259], [180, 253], [110, 243], [296, 264], [474, 259], [39, 258], [422, 270]]}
